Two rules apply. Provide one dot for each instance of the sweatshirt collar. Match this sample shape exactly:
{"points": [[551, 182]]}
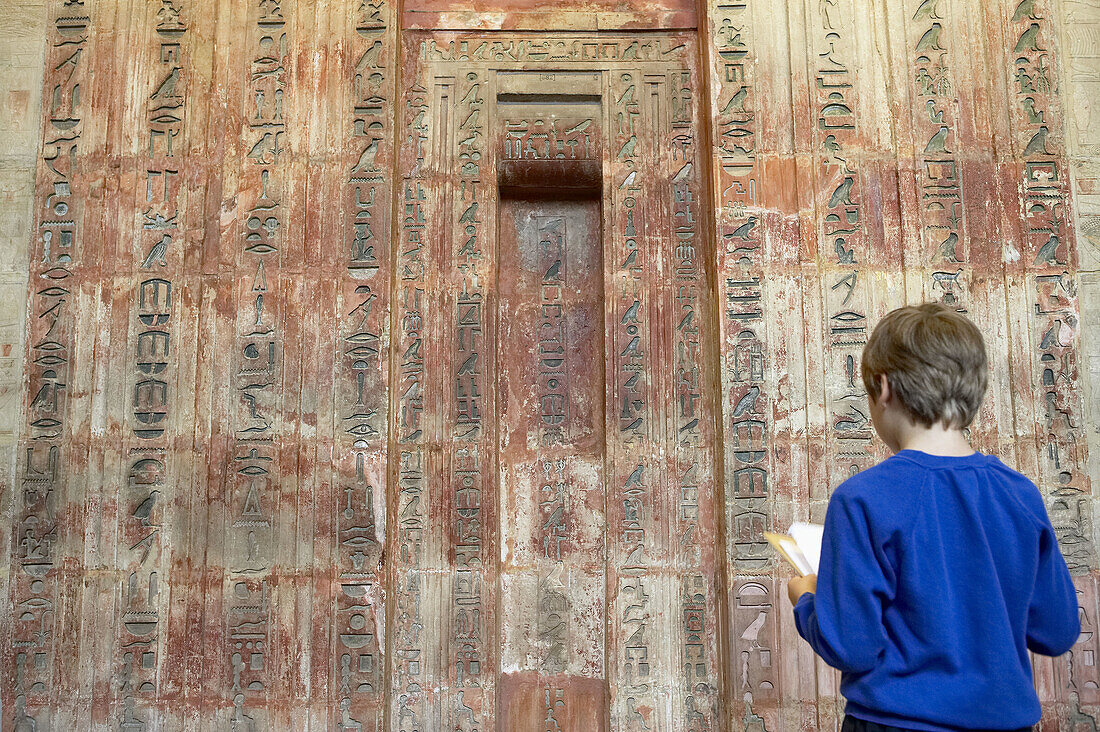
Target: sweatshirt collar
{"points": [[944, 461]]}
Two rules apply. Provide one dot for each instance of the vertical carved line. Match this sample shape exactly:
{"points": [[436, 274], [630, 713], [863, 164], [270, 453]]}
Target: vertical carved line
{"points": [[149, 489], [470, 660], [634, 664], [1048, 254], [1045, 278], [362, 383], [843, 250], [746, 396], [691, 554], [1079, 79], [408, 493], [56, 250], [254, 468]]}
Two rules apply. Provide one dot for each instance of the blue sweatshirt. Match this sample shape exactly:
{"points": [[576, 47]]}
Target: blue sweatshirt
{"points": [[937, 575]]}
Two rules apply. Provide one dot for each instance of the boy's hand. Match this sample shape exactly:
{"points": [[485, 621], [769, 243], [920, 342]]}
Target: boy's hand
{"points": [[798, 586]]}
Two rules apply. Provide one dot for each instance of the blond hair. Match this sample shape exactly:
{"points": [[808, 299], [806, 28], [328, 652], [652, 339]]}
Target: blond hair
{"points": [[934, 360]]}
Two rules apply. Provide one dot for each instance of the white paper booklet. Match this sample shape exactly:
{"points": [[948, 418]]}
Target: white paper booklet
{"points": [[802, 548]]}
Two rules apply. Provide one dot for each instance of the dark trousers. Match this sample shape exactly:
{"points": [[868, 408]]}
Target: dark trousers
{"points": [[851, 724]]}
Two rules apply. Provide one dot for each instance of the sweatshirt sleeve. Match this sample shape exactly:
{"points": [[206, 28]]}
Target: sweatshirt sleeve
{"points": [[843, 621], [1053, 623]]}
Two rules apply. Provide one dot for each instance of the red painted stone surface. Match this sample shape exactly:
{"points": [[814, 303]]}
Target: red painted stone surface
{"points": [[441, 369]]}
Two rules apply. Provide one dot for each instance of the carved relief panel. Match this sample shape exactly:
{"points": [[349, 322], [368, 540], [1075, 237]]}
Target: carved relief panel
{"points": [[558, 185], [383, 376]]}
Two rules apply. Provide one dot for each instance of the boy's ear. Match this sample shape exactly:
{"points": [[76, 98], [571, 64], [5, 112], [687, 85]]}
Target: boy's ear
{"points": [[884, 393]]}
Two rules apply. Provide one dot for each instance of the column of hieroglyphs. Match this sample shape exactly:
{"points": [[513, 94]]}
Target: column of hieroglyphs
{"points": [[946, 158], [948, 234], [248, 519], [949, 142], [550, 288], [685, 530], [468, 634], [635, 656], [1041, 263], [1078, 40], [362, 368], [551, 464], [22, 67], [839, 127], [41, 502], [748, 237], [841, 179], [145, 242], [1042, 280], [410, 667]]}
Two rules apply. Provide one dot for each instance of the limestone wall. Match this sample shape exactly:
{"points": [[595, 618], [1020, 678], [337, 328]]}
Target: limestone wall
{"points": [[439, 366]]}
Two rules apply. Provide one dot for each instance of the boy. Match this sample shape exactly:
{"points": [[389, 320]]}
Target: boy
{"points": [[939, 567]]}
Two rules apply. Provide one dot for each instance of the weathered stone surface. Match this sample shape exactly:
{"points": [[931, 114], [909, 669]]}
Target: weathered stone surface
{"points": [[572, 15], [438, 366]]}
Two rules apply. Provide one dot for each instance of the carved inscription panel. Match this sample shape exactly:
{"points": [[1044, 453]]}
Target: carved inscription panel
{"points": [[439, 367], [552, 450]]}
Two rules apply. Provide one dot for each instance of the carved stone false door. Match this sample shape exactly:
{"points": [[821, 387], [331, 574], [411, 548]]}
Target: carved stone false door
{"points": [[555, 470], [552, 453]]}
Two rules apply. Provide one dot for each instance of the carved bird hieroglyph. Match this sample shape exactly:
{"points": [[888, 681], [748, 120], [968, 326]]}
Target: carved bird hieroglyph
{"points": [[157, 255], [747, 403], [947, 247], [1029, 40], [145, 509], [928, 9], [1038, 143], [366, 158], [631, 314], [930, 41], [752, 632], [167, 87], [1048, 253], [627, 150], [1026, 9], [743, 231], [737, 101], [938, 143], [842, 193]]}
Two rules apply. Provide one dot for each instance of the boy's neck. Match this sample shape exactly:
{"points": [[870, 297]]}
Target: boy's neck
{"points": [[934, 440]]}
